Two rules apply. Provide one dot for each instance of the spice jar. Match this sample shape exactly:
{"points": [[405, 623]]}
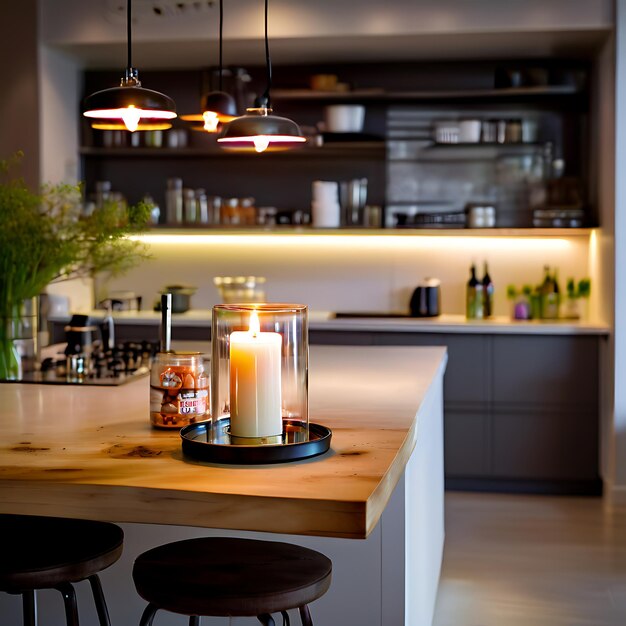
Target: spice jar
{"points": [[179, 389]]}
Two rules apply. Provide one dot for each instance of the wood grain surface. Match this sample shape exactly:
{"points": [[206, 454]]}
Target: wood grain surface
{"points": [[90, 452]]}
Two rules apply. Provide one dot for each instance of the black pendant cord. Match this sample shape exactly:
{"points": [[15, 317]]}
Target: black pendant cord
{"points": [[221, 30], [129, 18], [268, 63]]}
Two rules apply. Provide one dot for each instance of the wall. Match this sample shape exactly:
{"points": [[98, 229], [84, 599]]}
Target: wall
{"points": [[60, 90], [619, 421], [19, 115], [351, 273]]}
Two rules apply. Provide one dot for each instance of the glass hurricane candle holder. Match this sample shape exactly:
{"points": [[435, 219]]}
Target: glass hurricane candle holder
{"points": [[259, 371]]}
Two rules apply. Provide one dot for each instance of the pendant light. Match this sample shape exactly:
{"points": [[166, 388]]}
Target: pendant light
{"points": [[129, 103], [259, 130], [217, 106]]}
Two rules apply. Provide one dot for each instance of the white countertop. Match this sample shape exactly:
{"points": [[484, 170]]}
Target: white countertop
{"points": [[325, 320]]}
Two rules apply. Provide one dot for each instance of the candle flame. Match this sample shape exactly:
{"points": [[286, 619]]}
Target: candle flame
{"points": [[255, 326]]}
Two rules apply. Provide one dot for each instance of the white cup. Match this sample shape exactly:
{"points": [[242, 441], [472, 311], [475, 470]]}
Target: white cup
{"points": [[344, 118], [469, 131], [325, 214], [325, 190]]}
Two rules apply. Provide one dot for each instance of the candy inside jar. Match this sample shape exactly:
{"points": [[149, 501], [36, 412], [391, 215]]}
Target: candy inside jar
{"points": [[179, 389]]}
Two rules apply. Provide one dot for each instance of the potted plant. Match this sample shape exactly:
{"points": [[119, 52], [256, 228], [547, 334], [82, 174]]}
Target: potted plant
{"points": [[577, 299], [521, 304], [48, 236]]}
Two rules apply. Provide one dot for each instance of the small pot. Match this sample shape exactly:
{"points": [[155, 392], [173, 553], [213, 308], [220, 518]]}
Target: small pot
{"points": [[181, 297], [426, 299]]}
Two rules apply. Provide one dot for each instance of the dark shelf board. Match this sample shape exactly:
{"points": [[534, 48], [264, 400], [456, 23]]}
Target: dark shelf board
{"points": [[363, 95], [200, 229], [348, 148]]}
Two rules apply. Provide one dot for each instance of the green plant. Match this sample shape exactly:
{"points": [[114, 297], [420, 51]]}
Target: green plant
{"points": [[580, 290], [47, 237]]}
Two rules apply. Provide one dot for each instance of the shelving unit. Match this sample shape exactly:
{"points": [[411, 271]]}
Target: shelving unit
{"points": [[283, 179]]}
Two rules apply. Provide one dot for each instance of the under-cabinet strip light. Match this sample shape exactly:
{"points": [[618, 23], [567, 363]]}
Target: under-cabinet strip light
{"points": [[367, 242]]}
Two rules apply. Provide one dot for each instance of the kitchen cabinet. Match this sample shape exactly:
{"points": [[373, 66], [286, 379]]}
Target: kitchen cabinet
{"points": [[521, 413], [428, 90]]}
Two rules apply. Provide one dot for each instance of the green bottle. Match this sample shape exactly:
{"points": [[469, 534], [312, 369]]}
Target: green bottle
{"points": [[474, 300], [488, 289], [550, 296]]}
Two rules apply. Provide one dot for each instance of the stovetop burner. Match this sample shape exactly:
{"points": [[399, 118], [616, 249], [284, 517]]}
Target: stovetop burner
{"points": [[127, 361]]}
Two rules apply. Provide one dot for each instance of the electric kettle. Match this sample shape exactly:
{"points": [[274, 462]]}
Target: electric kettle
{"points": [[426, 299]]}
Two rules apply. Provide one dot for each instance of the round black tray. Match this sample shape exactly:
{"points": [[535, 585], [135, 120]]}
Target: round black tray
{"points": [[210, 441]]}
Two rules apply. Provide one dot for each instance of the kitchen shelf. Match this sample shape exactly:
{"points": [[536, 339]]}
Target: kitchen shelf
{"points": [[330, 149], [363, 95], [191, 229]]}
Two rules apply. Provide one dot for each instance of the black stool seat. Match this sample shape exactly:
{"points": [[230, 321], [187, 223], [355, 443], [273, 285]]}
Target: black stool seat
{"points": [[52, 553], [218, 576]]}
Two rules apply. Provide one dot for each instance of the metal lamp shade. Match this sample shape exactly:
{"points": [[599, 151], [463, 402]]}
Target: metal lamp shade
{"points": [[220, 105], [255, 128], [109, 103]]}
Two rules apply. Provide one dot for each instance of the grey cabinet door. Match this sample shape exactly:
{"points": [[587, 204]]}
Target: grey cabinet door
{"points": [[467, 444], [466, 379], [541, 444], [546, 371]]}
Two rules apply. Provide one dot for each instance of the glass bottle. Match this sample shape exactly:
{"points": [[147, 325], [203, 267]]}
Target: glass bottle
{"points": [[174, 201], [549, 296], [189, 206], [488, 290], [474, 301]]}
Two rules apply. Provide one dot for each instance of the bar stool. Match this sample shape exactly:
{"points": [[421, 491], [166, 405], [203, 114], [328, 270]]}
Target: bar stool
{"points": [[227, 577], [52, 553]]}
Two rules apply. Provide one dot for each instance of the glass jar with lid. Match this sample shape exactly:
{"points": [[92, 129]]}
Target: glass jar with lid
{"points": [[179, 389]]}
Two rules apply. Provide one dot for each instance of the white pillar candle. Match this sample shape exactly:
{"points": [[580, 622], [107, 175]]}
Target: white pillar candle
{"points": [[255, 388]]}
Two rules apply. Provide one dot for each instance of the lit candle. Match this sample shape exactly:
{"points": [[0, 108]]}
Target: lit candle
{"points": [[255, 389]]}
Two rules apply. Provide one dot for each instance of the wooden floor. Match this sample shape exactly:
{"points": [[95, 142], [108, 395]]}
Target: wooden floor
{"points": [[532, 561]]}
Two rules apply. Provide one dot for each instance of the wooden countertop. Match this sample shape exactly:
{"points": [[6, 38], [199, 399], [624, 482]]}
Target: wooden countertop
{"points": [[90, 452]]}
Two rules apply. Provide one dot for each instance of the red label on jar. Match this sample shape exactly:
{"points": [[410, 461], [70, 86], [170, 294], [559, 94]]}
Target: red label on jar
{"points": [[192, 402]]}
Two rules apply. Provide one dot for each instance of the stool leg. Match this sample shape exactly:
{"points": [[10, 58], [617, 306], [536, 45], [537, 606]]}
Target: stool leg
{"points": [[266, 619], [148, 615], [305, 615], [194, 620], [29, 607], [69, 599], [286, 621], [98, 598]]}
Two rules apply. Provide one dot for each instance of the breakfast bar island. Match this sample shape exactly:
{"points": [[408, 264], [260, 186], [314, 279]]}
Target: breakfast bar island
{"points": [[373, 503]]}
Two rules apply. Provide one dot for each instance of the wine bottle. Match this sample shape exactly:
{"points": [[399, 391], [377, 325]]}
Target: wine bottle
{"points": [[474, 301], [488, 290], [550, 296]]}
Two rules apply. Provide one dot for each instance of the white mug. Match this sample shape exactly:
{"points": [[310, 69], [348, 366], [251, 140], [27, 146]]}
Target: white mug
{"points": [[344, 118]]}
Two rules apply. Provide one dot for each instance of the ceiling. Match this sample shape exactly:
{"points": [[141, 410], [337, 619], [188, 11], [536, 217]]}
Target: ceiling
{"points": [[194, 53]]}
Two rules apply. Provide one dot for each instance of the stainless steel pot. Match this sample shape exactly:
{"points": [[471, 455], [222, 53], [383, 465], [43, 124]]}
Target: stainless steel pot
{"points": [[181, 297]]}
